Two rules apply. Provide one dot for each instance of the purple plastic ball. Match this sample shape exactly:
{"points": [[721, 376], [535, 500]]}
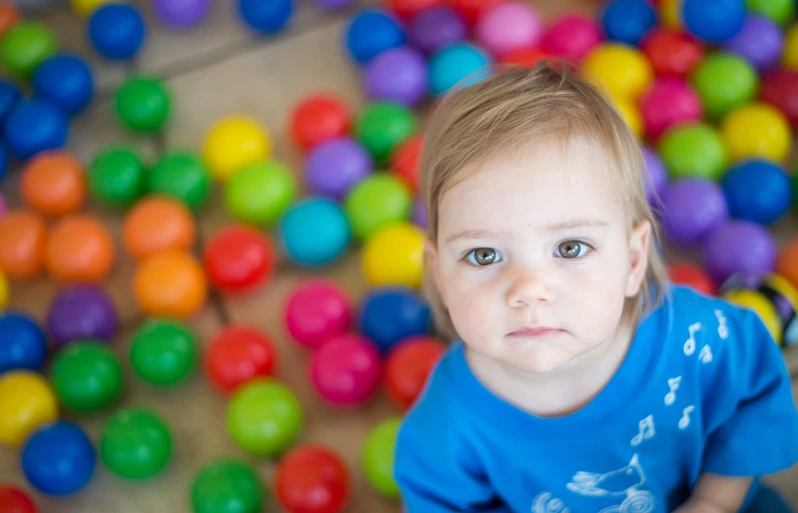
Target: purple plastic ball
{"points": [[760, 42], [657, 177], [738, 246], [398, 75], [81, 312], [332, 5], [692, 207], [333, 167], [420, 214], [182, 14], [437, 28]]}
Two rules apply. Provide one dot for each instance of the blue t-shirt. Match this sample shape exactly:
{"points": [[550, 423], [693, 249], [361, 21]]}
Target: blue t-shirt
{"points": [[703, 388]]}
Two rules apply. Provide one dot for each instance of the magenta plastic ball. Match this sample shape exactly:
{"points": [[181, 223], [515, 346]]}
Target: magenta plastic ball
{"points": [[509, 26], [760, 42], [436, 28], [318, 311], [656, 174], [82, 312], [671, 100], [397, 75], [571, 37], [333, 167], [182, 14], [346, 370], [738, 246], [332, 5], [692, 207]]}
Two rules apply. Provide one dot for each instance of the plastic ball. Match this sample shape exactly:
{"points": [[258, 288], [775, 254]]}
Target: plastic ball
{"points": [[23, 244], [264, 417], [757, 191], [317, 311], [136, 444], [757, 130], [86, 376], [509, 26], [15, 500], [738, 246], [318, 119], [397, 75], [387, 315], [142, 104], [85, 7], [628, 21], [693, 207], [371, 32], [333, 167], [724, 81], [780, 12], [472, 10], [436, 28], [760, 42], [312, 479], [406, 161], [10, 95], [409, 365], [670, 14], [670, 101], [59, 459], [233, 143], [672, 53], [694, 150], [261, 193], [65, 80], [22, 342], [787, 263], [525, 57], [9, 16], [117, 177], [82, 312], [778, 89], [26, 403], [170, 284], [571, 37], [346, 370], [54, 183], [656, 175], [692, 275], [382, 126], [237, 354], [714, 21], [34, 126], [80, 249], [117, 31], [376, 202], [226, 486], [239, 258], [158, 223], [183, 176], [790, 57], [772, 297], [394, 255], [164, 352], [460, 64], [315, 232], [623, 70], [266, 17], [409, 9], [182, 14], [26, 45], [378, 457]]}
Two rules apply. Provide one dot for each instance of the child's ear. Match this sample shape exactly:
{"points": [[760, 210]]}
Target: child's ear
{"points": [[639, 243], [433, 271]]}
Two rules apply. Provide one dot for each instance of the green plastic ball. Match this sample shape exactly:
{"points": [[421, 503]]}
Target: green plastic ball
{"points": [[226, 486], [781, 12], [26, 45], [383, 126], [117, 177], [375, 202], [264, 417], [259, 194], [86, 376], [694, 150], [182, 175], [143, 104], [136, 443], [163, 352], [724, 81], [378, 456]]}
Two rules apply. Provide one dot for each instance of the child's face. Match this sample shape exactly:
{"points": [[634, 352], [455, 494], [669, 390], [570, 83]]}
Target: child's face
{"points": [[535, 258]]}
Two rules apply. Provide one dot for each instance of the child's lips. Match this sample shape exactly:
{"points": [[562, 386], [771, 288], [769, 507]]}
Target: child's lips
{"points": [[536, 332]]}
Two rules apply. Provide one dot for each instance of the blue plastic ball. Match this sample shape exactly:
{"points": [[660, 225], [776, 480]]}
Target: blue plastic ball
{"points": [[22, 343], [758, 191], [65, 80], [117, 31], [372, 32], [315, 232], [58, 459], [390, 314], [10, 95], [268, 17], [34, 126], [451, 65], [714, 21], [628, 21]]}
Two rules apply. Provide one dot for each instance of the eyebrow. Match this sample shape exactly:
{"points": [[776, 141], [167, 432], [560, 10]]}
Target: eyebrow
{"points": [[475, 234], [557, 227]]}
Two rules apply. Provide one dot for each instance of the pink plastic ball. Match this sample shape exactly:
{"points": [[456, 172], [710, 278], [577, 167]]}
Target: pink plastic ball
{"points": [[669, 101], [346, 370], [509, 26], [571, 37], [317, 311]]}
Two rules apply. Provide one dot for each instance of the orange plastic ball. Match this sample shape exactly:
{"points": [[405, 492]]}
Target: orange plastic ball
{"points": [[54, 183], [23, 244], [158, 223], [9, 16], [170, 284], [787, 264], [80, 249]]}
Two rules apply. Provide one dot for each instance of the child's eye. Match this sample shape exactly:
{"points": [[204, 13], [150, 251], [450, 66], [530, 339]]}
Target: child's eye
{"points": [[483, 256], [572, 249]]}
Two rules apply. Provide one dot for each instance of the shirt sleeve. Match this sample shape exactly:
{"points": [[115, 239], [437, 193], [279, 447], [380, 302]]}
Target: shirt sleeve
{"points": [[760, 435]]}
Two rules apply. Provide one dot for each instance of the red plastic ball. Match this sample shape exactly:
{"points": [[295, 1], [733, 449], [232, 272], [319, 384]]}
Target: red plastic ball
{"points": [[685, 273], [318, 119], [317, 311], [408, 367], [526, 57], [780, 89], [571, 37], [671, 52], [239, 353], [407, 9], [14, 500], [346, 370], [407, 160], [312, 479], [472, 10], [239, 258], [669, 101]]}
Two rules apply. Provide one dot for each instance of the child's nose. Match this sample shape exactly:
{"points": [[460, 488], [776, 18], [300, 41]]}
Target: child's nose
{"points": [[527, 288]]}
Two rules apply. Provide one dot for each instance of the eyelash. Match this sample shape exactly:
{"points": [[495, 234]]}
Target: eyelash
{"points": [[469, 256]]}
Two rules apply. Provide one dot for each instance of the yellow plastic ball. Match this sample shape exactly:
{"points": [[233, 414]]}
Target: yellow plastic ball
{"points": [[790, 58], [86, 7], [26, 402], [621, 69], [669, 13], [756, 130], [630, 114], [394, 256], [3, 290], [234, 143], [762, 306]]}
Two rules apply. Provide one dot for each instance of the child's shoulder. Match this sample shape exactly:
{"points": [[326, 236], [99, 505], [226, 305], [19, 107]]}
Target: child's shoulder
{"points": [[687, 304]]}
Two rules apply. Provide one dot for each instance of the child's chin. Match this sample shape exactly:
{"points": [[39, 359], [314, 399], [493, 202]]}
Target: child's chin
{"points": [[537, 361]]}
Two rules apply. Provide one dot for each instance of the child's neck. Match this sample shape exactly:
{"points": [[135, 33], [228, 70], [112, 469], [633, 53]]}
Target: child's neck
{"points": [[560, 392]]}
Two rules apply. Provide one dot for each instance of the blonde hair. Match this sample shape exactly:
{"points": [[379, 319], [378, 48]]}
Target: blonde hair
{"points": [[513, 109]]}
